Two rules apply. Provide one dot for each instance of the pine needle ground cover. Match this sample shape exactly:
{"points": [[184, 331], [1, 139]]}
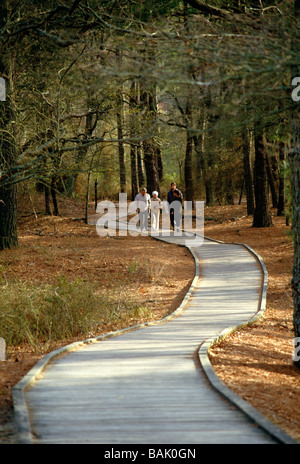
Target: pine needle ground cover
{"points": [[63, 261]]}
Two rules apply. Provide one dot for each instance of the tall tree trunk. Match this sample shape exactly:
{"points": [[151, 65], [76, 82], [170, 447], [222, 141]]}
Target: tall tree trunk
{"points": [[160, 166], [138, 131], [262, 215], [141, 176], [87, 198], [121, 150], [199, 141], [209, 192], [8, 192], [188, 171], [188, 162], [199, 155], [91, 121], [120, 109], [134, 171], [294, 158], [281, 188], [53, 194], [248, 173], [46, 185], [208, 173], [148, 98], [150, 166], [229, 193], [202, 169], [47, 199], [133, 145], [271, 181]]}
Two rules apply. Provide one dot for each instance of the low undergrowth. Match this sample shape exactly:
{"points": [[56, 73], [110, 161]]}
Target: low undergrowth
{"points": [[40, 315]]}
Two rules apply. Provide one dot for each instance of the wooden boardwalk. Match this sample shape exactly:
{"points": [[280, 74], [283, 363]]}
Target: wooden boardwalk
{"points": [[147, 386]]}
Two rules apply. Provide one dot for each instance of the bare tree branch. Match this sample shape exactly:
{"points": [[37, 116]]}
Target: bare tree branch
{"points": [[212, 10], [56, 39]]}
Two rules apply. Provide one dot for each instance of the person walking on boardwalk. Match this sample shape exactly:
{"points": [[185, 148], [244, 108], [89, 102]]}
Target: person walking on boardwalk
{"points": [[143, 205], [175, 195], [156, 205]]}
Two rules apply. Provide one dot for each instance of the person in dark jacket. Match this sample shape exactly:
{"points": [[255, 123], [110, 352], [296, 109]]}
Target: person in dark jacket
{"points": [[175, 213]]}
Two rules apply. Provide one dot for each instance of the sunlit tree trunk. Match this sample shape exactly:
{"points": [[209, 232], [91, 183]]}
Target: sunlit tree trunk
{"points": [[133, 145], [188, 162], [248, 172], [149, 144], [121, 149]]}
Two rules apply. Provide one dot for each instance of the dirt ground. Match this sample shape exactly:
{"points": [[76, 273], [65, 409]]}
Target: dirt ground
{"points": [[255, 362]]}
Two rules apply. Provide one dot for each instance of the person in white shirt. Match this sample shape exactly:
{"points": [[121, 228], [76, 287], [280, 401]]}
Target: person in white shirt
{"points": [[156, 206], [143, 205]]}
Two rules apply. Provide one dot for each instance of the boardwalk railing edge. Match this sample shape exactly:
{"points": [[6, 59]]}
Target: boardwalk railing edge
{"points": [[252, 413], [21, 413]]}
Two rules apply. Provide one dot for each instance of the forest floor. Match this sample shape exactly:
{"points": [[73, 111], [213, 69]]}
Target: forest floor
{"points": [[255, 362]]}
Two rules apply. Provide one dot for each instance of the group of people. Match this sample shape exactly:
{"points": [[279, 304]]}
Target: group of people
{"points": [[145, 204]]}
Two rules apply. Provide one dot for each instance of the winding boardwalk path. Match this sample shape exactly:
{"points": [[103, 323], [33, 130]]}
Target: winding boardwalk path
{"points": [[147, 386]]}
